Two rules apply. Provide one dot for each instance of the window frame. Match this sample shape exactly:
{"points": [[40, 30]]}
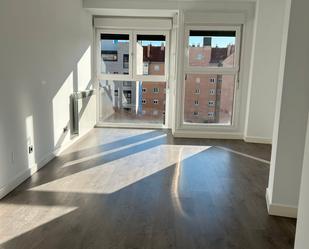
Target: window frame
{"points": [[116, 77], [155, 78], [234, 71], [213, 70]]}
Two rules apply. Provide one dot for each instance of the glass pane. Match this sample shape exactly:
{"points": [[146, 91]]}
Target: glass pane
{"points": [[132, 102], [150, 55], [114, 54], [209, 98], [212, 48]]}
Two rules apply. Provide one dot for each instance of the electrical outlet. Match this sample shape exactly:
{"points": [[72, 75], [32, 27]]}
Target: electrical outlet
{"points": [[65, 129], [30, 149]]}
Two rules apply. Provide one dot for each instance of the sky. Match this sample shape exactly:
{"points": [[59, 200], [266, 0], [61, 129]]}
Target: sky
{"points": [[221, 42]]}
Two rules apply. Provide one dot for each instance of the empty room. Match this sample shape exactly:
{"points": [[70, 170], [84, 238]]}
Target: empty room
{"points": [[154, 124]]}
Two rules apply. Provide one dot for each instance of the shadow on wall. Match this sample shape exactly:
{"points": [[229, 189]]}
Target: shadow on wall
{"points": [[58, 130]]}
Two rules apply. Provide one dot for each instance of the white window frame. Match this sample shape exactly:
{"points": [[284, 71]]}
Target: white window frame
{"points": [[133, 76], [156, 78], [120, 77], [153, 90], [166, 31], [213, 70], [211, 103], [210, 114], [212, 92], [197, 91], [212, 80]]}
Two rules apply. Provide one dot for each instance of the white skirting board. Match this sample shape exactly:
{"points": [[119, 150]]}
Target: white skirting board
{"points": [[277, 209], [210, 135], [34, 168], [258, 140]]}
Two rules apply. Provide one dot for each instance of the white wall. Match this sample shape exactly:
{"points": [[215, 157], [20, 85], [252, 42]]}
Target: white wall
{"points": [[45, 54], [291, 117], [270, 38], [302, 238]]}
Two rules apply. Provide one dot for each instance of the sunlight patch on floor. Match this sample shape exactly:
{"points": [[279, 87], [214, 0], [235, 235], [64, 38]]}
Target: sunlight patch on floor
{"points": [[25, 217], [120, 173]]}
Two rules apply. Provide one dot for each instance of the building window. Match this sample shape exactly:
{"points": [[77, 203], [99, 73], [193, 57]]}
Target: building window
{"points": [[109, 55], [144, 101], [155, 101], [116, 93], [211, 103], [156, 90], [125, 61], [212, 80], [144, 90], [211, 114], [157, 68], [127, 84], [219, 91], [198, 80], [212, 91], [197, 91], [195, 113], [196, 102]]}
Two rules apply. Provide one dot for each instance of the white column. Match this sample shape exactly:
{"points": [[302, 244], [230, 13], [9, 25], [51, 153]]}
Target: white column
{"points": [[302, 238], [291, 118], [270, 35]]}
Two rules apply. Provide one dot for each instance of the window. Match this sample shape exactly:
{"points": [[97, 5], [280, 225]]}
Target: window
{"points": [[134, 60], [125, 61], [150, 54], [211, 103], [113, 47], [195, 113], [109, 55], [212, 48], [222, 104], [127, 84], [155, 101], [212, 57], [196, 102], [156, 90], [212, 92]]}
